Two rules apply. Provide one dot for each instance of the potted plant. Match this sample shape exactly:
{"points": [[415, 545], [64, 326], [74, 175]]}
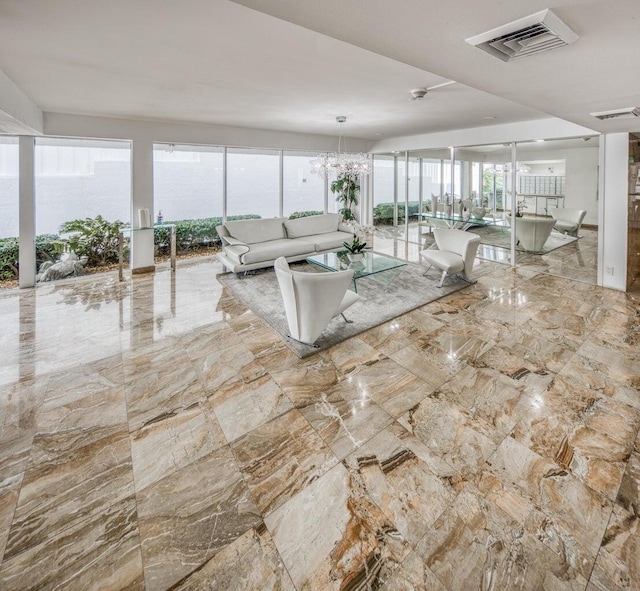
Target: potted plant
{"points": [[346, 188], [354, 249]]}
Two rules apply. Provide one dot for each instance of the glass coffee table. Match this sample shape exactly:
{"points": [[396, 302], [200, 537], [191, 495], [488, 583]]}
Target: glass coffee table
{"points": [[371, 263]]}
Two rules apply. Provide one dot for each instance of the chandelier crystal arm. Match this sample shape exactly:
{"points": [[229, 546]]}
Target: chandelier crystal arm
{"points": [[329, 163]]}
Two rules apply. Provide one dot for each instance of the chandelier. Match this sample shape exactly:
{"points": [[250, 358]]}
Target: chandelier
{"points": [[340, 163]]}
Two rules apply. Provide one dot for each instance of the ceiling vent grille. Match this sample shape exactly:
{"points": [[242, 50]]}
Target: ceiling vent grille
{"points": [[627, 113], [527, 36]]}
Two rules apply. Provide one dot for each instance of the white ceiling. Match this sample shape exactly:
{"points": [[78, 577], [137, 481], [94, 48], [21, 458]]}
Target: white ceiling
{"points": [[221, 62]]}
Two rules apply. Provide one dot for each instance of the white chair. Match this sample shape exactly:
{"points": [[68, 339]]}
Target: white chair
{"points": [[456, 253], [532, 233], [311, 300], [568, 221]]}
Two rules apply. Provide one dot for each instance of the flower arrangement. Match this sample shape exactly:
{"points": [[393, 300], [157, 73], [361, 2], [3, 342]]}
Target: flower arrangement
{"points": [[356, 246], [519, 207], [360, 231]]}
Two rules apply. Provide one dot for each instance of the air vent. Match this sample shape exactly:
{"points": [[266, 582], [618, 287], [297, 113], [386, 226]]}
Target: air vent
{"points": [[627, 113], [527, 36]]}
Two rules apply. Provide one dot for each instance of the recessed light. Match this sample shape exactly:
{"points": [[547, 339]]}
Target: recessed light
{"points": [[538, 141], [490, 117]]}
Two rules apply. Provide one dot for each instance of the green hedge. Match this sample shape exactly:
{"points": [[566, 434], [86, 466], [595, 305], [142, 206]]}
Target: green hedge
{"points": [[47, 248], [383, 212], [190, 234], [304, 214]]}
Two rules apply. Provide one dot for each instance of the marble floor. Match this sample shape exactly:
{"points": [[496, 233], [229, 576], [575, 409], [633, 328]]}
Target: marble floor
{"points": [[157, 435]]}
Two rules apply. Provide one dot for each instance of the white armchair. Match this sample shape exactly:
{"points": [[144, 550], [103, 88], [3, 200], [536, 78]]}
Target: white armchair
{"points": [[568, 221], [311, 300], [532, 233], [456, 253]]}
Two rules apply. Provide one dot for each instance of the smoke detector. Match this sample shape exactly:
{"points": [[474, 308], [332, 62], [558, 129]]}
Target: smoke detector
{"points": [[417, 94], [527, 36], [626, 113]]}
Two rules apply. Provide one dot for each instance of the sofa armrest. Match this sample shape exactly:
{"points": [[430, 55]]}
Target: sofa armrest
{"points": [[230, 241]]}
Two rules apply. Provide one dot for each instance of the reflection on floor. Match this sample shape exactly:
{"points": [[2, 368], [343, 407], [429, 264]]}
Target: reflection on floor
{"points": [[157, 435], [578, 260]]}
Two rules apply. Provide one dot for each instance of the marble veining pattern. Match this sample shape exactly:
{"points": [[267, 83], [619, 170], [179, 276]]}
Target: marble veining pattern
{"points": [[156, 434]]}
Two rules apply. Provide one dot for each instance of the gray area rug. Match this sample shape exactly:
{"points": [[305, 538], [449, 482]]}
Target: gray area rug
{"points": [[501, 237], [382, 297]]}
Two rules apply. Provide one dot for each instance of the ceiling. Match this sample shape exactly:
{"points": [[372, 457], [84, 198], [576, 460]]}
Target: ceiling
{"points": [[294, 66]]}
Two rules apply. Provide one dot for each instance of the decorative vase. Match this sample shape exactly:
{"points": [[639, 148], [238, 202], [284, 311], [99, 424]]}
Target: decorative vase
{"points": [[447, 210], [355, 256], [478, 212], [434, 205]]}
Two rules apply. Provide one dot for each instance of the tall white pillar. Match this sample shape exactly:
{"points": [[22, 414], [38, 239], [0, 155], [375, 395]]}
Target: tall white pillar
{"points": [[27, 212], [613, 211], [142, 188]]}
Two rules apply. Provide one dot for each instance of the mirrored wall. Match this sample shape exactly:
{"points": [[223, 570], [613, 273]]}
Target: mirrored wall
{"points": [[514, 197]]}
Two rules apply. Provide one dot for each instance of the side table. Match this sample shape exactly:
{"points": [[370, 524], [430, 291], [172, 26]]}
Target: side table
{"points": [[172, 242]]}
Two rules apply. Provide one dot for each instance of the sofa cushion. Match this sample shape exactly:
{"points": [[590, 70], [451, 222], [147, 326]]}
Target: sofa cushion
{"points": [[312, 225], [329, 241], [272, 249], [253, 231]]}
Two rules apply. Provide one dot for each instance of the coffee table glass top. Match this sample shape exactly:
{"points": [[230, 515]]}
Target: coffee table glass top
{"points": [[370, 264]]}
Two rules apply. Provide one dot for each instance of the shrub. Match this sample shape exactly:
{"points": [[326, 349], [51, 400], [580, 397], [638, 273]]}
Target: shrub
{"points": [[303, 214], [95, 238], [9, 258], [192, 234], [48, 246]]}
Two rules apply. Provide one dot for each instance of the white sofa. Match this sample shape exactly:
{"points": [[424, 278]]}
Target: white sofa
{"points": [[254, 244]]}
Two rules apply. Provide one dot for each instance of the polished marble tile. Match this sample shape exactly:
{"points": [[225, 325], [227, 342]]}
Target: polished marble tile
{"points": [[345, 423], [400, 483], [357, 546], [250, 562], [156, 434], [476, 545], [280, 458], [189, 516], [100, 552], [175, 441]]}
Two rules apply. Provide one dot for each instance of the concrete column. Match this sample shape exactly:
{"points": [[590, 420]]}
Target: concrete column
{"points": [[142, 197], [27, 212], [613, 211]]}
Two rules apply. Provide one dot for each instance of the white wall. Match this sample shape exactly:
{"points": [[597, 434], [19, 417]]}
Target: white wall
{"points": [[581, 173]]}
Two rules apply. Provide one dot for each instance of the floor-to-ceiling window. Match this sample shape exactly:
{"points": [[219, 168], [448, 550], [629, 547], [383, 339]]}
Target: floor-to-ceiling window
{"points": [[187, 192], [83, 193], [383, 189], [9, 226], [253, 181], [302, 190]]}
